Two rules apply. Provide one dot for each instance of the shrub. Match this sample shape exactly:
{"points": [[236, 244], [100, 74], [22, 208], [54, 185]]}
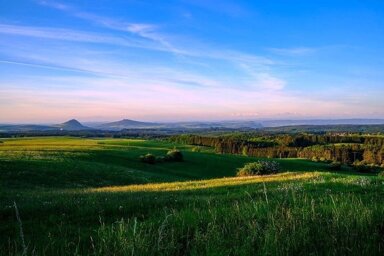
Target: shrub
{"points": [[381, 174], [196, 149], [335, 166], [160, 159], [174, 155], [244, 151], [259, 168], [357, 162], [315, 159], [322, 159], [148, 158]]}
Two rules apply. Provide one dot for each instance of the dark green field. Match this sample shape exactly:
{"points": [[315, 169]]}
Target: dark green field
{"points": [[94, 197]]}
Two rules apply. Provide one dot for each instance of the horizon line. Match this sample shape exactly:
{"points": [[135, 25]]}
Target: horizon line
{"points": [[197, 120]]}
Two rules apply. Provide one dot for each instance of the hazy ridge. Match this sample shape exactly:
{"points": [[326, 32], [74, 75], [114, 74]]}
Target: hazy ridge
{"points": [[126, 124]]}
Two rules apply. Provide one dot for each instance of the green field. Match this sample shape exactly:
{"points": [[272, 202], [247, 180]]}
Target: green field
{"points": [[94, 197]]}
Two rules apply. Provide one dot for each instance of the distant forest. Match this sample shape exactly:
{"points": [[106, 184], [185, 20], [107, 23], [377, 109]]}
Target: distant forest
{"points": [[346, 149]]}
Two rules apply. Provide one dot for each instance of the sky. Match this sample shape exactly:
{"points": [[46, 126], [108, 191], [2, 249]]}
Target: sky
{"points": [[190, 60]]}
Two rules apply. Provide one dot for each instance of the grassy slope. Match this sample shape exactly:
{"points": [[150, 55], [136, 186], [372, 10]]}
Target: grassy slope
{"points": [[58, 162], [73, 198]]}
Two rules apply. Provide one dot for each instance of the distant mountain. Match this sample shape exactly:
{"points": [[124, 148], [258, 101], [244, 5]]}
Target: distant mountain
{"points": [[72, 125], [128, 124], [132, 124]]}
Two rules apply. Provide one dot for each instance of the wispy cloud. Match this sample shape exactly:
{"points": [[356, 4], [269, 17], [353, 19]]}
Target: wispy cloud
{"points": [[257, 66], [263, 79], [298, 51], [137, 77], [34, 65], [143, 30], [56, 5], [267, 81], [75, 36], [152, 32], [100, 38]]}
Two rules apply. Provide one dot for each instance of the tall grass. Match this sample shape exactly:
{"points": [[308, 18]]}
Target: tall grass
{"points": [[272, 217]]}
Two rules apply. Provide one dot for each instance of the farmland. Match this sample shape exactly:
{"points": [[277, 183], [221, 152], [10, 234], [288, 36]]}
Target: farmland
{"points": [[79, 196]]}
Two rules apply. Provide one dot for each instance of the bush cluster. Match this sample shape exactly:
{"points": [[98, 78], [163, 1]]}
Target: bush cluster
{"points": [[173, 155], [259, 168], [315, 159], [148, 158], [320, 159], [196, 149]]}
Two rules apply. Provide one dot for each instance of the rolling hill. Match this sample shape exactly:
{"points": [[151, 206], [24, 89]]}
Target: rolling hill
{"points": [[128, 124], [72, 125]]}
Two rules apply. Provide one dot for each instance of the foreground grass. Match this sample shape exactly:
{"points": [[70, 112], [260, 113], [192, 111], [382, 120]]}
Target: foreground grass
{"points": [[289, 213], [177, 209]]}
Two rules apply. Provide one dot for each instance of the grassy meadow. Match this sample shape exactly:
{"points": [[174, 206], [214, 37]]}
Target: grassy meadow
{"points": [[78, 196]]}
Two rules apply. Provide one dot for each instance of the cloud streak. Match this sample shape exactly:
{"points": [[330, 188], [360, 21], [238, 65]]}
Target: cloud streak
{"points": [[257, 67], [293, 52], [98, 38], [143, 30], [150, 32], [75, 36]]}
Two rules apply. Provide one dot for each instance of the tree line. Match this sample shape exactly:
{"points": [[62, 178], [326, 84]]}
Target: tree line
{"points": [[344, 149]]}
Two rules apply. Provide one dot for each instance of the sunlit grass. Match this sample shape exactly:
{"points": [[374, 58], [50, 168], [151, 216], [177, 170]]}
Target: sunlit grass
{"points": [[212, 183]]}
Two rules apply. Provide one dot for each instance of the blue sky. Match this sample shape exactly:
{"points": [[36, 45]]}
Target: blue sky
{"points": [[190, 60]]}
